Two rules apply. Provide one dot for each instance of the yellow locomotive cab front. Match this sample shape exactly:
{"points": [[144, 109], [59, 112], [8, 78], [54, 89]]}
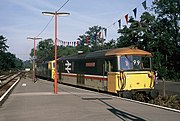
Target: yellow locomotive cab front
{"points": [[135, 74], [51, 67], [123, 81]]}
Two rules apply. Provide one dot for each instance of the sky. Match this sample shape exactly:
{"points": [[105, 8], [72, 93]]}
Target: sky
{"points": [[20, 19]]}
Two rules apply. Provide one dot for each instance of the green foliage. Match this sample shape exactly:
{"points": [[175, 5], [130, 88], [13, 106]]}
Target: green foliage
{"points": [[27, 64], [3, 46], [158, 34], [95, 42], [168, 35], [45, 50], [8, 61], [64, 51]]}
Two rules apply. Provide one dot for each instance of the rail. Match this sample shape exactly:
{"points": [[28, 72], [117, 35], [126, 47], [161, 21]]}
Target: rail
{"points": [[5, 79]]}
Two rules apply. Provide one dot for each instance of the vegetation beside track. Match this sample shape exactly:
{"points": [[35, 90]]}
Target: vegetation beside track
{"points": [[167, 101]]}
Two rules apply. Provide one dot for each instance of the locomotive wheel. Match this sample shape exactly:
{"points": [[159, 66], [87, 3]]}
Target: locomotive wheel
{"points": [[154, 93], [119, 94], [140, 97], [127, 94]]}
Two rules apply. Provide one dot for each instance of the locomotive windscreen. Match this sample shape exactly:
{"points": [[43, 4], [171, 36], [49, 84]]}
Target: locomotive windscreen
{"points": [[133, 62]]}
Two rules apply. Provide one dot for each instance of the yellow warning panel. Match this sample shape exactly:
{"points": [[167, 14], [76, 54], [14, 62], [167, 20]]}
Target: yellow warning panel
{"points": [[113, 82]]}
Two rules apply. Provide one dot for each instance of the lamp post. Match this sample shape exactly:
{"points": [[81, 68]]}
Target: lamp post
{"points": [[55, 14], [35, 38]]}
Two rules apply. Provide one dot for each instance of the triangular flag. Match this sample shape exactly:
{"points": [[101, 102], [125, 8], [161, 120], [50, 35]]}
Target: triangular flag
{"points": [[126, 17], [105, 31], [135, 12], [144, 5], [95, 37], [114, 23], [102, 35], [119, 21], [86, 39], [99, 34]]}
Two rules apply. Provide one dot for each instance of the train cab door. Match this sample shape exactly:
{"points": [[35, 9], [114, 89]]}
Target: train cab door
{"points": [[80, 79], [107, 67], [80, 74]]}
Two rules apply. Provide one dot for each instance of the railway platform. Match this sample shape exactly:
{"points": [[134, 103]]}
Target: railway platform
{"points": [[31, 101]]}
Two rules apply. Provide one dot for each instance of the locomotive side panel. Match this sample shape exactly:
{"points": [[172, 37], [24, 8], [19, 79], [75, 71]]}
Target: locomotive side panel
{"points": [[117, 70]]}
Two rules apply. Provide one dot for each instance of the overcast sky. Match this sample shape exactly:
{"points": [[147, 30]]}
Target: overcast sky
{"points": [[20, 19]]}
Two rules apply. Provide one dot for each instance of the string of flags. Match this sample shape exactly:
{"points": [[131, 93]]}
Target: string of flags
{"points": [[68, 43], [127, 15], [103, 32], [85, 39]]}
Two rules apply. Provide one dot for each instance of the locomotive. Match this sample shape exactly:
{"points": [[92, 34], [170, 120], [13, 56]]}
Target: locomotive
{"points": [[124, 71]]}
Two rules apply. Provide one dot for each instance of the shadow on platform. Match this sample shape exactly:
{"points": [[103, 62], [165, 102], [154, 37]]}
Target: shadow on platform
{"points": [[120, 114]]}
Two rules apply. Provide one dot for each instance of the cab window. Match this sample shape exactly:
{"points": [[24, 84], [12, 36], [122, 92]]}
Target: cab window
{"points": [[126, 62], [134, 62]]}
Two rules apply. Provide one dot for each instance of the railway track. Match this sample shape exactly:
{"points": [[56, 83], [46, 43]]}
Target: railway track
{"points": [[6, 82]]}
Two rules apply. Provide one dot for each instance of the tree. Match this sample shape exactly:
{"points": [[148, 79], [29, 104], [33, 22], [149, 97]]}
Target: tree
{"points": [[139, 33], [130, 36], [159, 34], [8, 60], [45, 50], [3, 46], [92, 40], [167, 34], [110, 44], [65, 51]]}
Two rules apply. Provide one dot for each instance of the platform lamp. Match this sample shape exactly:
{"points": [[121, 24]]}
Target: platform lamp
{"points": [[34, 38], [55, 14]]}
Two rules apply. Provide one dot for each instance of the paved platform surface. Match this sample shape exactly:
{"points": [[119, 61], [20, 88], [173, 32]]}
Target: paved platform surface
{"points": [[36, 102]]}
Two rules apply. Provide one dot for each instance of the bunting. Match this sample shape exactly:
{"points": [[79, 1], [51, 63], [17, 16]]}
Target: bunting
{"points": [[119, 21], [95, 37], [114, 23], [126, 17], [99, 34], [67, 43], [135, 12], [85, 39], [105, 32], [144, 5], [77, 43]]}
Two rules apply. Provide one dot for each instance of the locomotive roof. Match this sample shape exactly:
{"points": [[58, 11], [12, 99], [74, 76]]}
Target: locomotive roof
{"points": [[99, 54], [127, 51], [108, 52], [78, 56]]}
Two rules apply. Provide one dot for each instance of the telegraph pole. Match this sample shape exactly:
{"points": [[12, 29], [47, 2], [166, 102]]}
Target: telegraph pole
{"points": [[55, 14], [34, 38]]}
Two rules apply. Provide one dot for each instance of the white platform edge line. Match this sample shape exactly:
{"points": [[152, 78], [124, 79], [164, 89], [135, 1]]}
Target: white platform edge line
{"points": [[2, 97], [138, 102], [153, 105]]}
